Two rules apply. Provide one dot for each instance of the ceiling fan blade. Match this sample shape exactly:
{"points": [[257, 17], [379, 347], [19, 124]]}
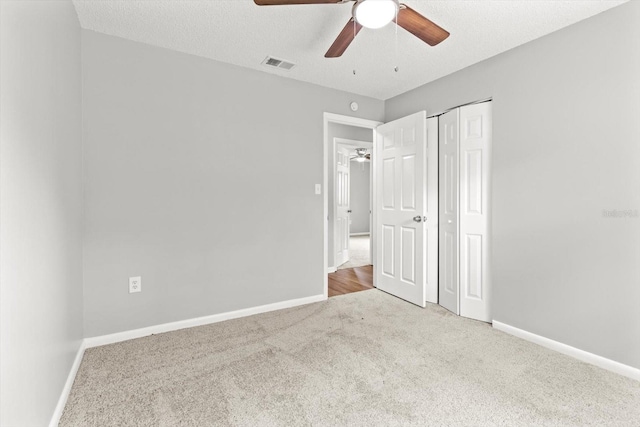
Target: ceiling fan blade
{"points": [[424, 29], [344, 39], [286, 2]]}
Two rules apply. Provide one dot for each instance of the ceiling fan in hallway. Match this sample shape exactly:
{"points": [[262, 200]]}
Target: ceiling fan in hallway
{"points": [[361, 155], [374, 14]]}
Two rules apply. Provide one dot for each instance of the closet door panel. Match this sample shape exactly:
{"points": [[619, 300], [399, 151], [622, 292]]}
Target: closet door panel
{"points": [[448, 211], [475, 155], [431, 211]]}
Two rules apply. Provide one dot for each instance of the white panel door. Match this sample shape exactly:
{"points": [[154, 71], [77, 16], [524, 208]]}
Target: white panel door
{"points": [[475, 154], [400, 208], [448, 207], [343, 201], [431, 211]]}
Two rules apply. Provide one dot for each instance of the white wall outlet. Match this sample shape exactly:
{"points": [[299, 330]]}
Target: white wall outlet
{"points": [[135, 284], [318, 189]]}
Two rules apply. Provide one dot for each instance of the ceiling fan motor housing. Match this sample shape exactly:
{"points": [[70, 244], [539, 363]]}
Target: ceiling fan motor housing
{"points": [[375, 13]]}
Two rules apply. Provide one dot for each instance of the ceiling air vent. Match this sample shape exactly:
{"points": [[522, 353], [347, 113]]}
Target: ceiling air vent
{"points": [[278, 63]]}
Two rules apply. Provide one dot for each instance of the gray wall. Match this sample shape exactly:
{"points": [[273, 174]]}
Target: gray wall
{"points": [[354, 133], [566, 146], [360, 196], [40, 207], [194, 181]]}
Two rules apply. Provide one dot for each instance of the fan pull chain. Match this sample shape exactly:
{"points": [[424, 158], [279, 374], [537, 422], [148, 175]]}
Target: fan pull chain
{"points": [[355, 32], [396, 41]]}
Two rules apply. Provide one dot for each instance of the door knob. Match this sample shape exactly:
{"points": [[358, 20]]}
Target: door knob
{"points": [[417, 218], [349, 211]]}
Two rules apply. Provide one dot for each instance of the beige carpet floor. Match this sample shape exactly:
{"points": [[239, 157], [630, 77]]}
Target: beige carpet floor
{"points": [[358, 252], [363, 359]]}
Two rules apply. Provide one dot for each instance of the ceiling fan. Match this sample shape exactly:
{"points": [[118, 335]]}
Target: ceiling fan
{"points": [[374, 14], [361, 155]]}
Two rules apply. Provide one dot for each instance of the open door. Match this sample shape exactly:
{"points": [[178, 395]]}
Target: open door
{"points": [[404, 209], [343, 201]]}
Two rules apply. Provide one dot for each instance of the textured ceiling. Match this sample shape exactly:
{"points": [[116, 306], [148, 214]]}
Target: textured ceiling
{"points": [[241, 33]]}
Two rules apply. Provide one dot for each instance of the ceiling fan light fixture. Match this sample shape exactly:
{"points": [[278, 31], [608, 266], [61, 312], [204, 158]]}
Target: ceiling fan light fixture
{"points": [[360, 155], [375, 13]]}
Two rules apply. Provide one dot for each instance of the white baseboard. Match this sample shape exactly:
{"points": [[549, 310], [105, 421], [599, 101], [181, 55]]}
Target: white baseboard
{"points": [[585, 356], [198, 321], [331, 270], [62, 401], [360, 234]]}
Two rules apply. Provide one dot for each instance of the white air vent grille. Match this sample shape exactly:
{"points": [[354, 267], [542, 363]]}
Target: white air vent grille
{"points": [[278, 63]]}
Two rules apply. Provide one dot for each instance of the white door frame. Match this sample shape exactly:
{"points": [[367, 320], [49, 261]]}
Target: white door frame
{"points": [[349, 121]]}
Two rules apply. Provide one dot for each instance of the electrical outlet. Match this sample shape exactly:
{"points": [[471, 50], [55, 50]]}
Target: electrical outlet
{"points": [[135, 284], [318, 189]]}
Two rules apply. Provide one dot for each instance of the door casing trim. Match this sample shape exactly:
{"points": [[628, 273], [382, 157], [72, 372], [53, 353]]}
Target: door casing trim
{"points": [[349, 121]]}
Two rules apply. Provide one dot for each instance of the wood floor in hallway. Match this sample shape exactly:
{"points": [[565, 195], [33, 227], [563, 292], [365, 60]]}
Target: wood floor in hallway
{"points": [[350, 280]]}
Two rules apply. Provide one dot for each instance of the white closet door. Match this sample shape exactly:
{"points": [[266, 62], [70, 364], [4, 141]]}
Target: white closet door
{"points": [[475, 150], [400, 244], [448, 207], [431, 211]]}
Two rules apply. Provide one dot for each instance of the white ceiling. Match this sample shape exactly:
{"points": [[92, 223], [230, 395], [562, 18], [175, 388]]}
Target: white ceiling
{"points": [[241, 33]]}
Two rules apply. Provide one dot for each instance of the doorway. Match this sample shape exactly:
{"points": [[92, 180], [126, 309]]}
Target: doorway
{"points": [[344, 246], [352, 203]]}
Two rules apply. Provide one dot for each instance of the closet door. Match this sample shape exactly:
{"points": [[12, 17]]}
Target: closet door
{"points": [[431, 211], [475, 150], [448, 209]]}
